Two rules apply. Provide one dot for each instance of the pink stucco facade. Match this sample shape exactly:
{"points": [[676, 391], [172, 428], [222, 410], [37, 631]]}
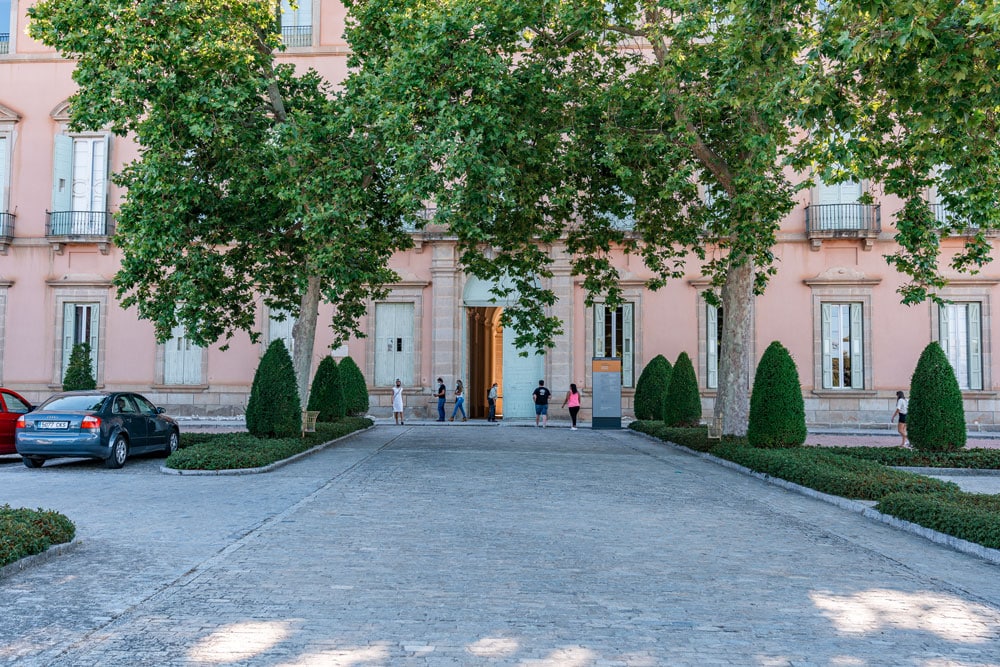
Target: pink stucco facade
{"points": [[833, 303]]}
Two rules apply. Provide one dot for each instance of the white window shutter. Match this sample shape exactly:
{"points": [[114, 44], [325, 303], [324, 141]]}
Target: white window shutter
{"points": [[628, 348], [69, 326], [975, 347], [4, 174], [827, 356], [712, 346], [599, 314], [944, 331], [857, 347], [62, 174], [102, 167], [95, 321]]}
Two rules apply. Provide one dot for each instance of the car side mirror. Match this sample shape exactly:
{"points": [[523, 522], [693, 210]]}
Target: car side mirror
{"points": [[160, 411]]}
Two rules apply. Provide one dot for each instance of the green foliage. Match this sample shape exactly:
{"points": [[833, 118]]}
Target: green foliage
{"points": [[682, 400], [981, 459], [252, 175], [234, 451], [649, 389], [971, 517], [79, 370], [354, 387], [695, 438], [25, 532], [831, 473], [326, 395], [777, 410], [273, 410], [935, 421]]}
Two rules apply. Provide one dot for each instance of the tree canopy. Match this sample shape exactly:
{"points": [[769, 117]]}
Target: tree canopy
{"points": [[253, 184]]}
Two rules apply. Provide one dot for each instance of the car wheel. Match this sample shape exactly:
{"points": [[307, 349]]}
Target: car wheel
{"points": [[173, 442], [119, 452], [32, 462]]}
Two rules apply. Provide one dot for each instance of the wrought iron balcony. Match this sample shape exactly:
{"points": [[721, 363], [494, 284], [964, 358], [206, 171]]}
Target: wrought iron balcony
{"points": [[4, 43], [6, 231], [297, 35], [833, 221], [80, 227]]}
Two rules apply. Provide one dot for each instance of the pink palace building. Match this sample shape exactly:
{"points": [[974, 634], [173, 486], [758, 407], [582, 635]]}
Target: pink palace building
{"points": [[833, 302]]}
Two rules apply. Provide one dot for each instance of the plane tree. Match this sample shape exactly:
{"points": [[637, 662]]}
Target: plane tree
{"points": [[253, 183], [677, 130]]}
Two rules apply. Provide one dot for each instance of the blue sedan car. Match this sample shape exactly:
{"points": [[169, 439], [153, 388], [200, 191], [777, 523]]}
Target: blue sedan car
{"points": [[109, 426]]}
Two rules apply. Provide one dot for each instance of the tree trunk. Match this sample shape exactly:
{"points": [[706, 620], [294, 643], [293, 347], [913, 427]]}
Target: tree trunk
{"points": [[304, 336], [732, 402]]}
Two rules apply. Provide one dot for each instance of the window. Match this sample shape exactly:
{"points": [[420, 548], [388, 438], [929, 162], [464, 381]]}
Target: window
{"points": [[5, 23], [613, 336], [843, 363], [296, 24], [280, 326], [4, 172], [836, 206], [713, 344], [80, 325], [181, 359], [79, 186], [960, 336], [393, 343]]}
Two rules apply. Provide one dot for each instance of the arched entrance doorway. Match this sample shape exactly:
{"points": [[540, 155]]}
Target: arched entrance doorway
{"points": [[493, 357]]}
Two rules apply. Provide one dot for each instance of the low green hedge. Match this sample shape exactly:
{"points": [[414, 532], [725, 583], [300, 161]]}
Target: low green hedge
{"points": [[832, 473], [982, 459], [25, 532], [232, 451], [967, 516], [695, 438]]}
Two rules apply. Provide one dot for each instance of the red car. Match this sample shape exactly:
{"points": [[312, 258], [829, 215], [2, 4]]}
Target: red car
{"points": [[12, 406]]}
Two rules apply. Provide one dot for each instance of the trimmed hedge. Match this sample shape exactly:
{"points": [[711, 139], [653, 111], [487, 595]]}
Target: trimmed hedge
{"points": [[935, 420], [777, 411], [274, 410], [233, 451], [353, 386], [25, 532], [983, 459], [695, 438], [831, 473], [79, 370], [682, 400], [326, 395], [967, 516], [649, 389]]}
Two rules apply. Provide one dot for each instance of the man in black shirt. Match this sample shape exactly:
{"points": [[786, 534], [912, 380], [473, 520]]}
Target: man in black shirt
{"points": [[541, 398], [442, 393]]}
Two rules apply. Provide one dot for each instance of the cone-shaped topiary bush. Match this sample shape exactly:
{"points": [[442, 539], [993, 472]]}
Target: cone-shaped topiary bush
{"points": [[79, 372], [649, 390], [777, 411], [355, 389], [681, 400], [326, 395], [935, 419], [274, 410]]}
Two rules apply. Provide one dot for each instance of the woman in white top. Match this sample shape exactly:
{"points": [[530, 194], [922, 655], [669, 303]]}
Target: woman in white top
{"points": [[902, 405], [397, 402]]}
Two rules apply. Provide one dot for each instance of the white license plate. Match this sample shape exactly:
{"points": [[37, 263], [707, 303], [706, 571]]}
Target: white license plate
{"points": [[52, 425]]}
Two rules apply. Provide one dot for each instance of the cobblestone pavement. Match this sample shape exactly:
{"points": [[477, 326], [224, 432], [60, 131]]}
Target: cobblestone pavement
{"points": [[507, 546]]}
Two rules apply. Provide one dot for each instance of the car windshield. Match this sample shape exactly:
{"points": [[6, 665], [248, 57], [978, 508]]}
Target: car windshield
{"points": [[74, 403]]}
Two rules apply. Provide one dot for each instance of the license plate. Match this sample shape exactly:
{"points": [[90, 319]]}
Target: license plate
{"points": [[53, 425]]}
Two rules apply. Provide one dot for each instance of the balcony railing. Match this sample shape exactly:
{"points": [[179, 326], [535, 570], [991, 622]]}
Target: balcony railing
{"points": [[6, 231], [297, 35], [4, 43], [829, 221], [79, 223]]}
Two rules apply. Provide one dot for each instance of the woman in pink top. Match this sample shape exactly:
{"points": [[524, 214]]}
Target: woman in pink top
{"points": [[573, 400]]}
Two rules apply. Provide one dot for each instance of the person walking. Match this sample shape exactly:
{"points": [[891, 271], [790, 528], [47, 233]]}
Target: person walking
{"points": [[397, 402], [442, 394], [491, 398], [573, 401], [541, 399], [902, 405], [459, 402]]}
